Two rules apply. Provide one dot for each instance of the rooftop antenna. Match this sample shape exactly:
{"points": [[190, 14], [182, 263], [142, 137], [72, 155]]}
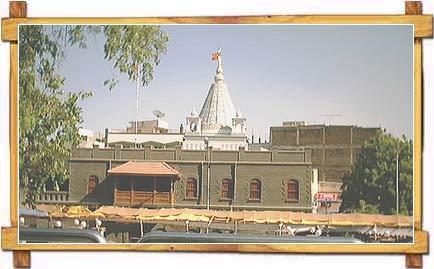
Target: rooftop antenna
{"points": [[159, 114], [330, 116]]}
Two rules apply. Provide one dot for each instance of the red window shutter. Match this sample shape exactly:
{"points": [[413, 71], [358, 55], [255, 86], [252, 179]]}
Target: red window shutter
{"points": [[293, 190], [191, 190], [91, 185], [226, 189], [255, 190]]}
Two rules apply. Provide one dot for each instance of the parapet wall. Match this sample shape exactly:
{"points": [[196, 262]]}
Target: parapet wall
{"points": [[177, 154]]}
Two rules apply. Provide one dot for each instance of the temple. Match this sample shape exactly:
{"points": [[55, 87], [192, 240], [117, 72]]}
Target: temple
{"points": [[218, 125], [210, 164]]}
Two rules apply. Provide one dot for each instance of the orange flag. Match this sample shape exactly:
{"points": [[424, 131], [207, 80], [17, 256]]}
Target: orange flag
{"points": [[215, 56]]}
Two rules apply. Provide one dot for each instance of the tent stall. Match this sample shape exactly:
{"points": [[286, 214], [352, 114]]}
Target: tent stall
{"points": [[390, 226], [256, 217]]}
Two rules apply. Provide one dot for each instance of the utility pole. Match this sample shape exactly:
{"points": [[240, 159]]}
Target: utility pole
{"points": [[397, 182], [137, 95]]}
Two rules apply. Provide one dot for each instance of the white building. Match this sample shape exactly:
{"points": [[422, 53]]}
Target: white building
{"points": [[148, 126], [89, 139], [218, 124], [149, 132], [131, 140]]}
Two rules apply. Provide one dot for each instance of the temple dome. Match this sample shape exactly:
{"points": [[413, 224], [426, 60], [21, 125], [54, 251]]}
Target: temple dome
{"points": [[218, 109]]}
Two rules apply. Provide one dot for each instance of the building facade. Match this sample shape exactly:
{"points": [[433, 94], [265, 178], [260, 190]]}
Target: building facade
{"points": [[90, 139], [334, 151], [209, 163], [148, 127], [238, 180], [141, 140]]}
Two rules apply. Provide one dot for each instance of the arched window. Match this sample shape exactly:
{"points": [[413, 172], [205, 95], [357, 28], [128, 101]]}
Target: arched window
{"points": [[227, 190], [91, 184], [191, 190], [293, 190], [255, 189]]}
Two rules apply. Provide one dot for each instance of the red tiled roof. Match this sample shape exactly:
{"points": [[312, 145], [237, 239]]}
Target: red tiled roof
{"points": [[144, 169]]}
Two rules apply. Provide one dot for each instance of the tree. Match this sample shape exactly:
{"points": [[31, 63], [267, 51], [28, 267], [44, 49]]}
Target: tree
{"points": [[49, 116], [134, 48], [371, 186]]}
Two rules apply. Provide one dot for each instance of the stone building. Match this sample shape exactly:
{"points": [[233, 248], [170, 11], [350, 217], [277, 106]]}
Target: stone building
{"points": [[207, 166], [154, 178], [210, 164], [334, 151]]}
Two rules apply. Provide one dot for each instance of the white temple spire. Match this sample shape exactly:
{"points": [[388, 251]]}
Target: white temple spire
{"points": [[218, 108], [218, 124], [217, 56]]}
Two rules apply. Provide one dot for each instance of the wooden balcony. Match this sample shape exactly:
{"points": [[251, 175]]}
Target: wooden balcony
{"points": [[139, 198], [122, 197], [53, 196], [143, 191], [143, 183]]}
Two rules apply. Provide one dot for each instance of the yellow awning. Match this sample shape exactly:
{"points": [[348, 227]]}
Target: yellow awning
{"points": [[75, 212], [262, 217]]}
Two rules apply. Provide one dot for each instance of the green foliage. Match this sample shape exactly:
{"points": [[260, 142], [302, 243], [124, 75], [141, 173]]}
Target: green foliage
{"points": [[367, 208], [49, 117], [135, 50], [371, 187]]}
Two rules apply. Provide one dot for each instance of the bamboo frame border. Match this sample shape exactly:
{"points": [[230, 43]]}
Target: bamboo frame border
{"points": [[422, 23], [423, 28]]}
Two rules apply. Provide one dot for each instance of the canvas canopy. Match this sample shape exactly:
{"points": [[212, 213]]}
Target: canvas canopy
{"points": [[75, 212], [262, 217], [28, 212]]}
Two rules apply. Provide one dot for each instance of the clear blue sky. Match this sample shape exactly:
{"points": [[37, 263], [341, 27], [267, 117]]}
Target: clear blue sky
{"points": [[274, 73]]}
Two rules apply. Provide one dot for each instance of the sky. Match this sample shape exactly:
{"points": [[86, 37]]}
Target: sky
{"points": [[274, 73]]}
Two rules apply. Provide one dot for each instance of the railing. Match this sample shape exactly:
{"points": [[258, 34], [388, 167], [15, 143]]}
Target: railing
{"points": [[141, 198], [54, 196], [123, 197], [162, 198]]}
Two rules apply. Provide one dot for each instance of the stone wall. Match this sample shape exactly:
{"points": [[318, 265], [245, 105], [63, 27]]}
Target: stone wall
{"points": [[273, 168]]}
